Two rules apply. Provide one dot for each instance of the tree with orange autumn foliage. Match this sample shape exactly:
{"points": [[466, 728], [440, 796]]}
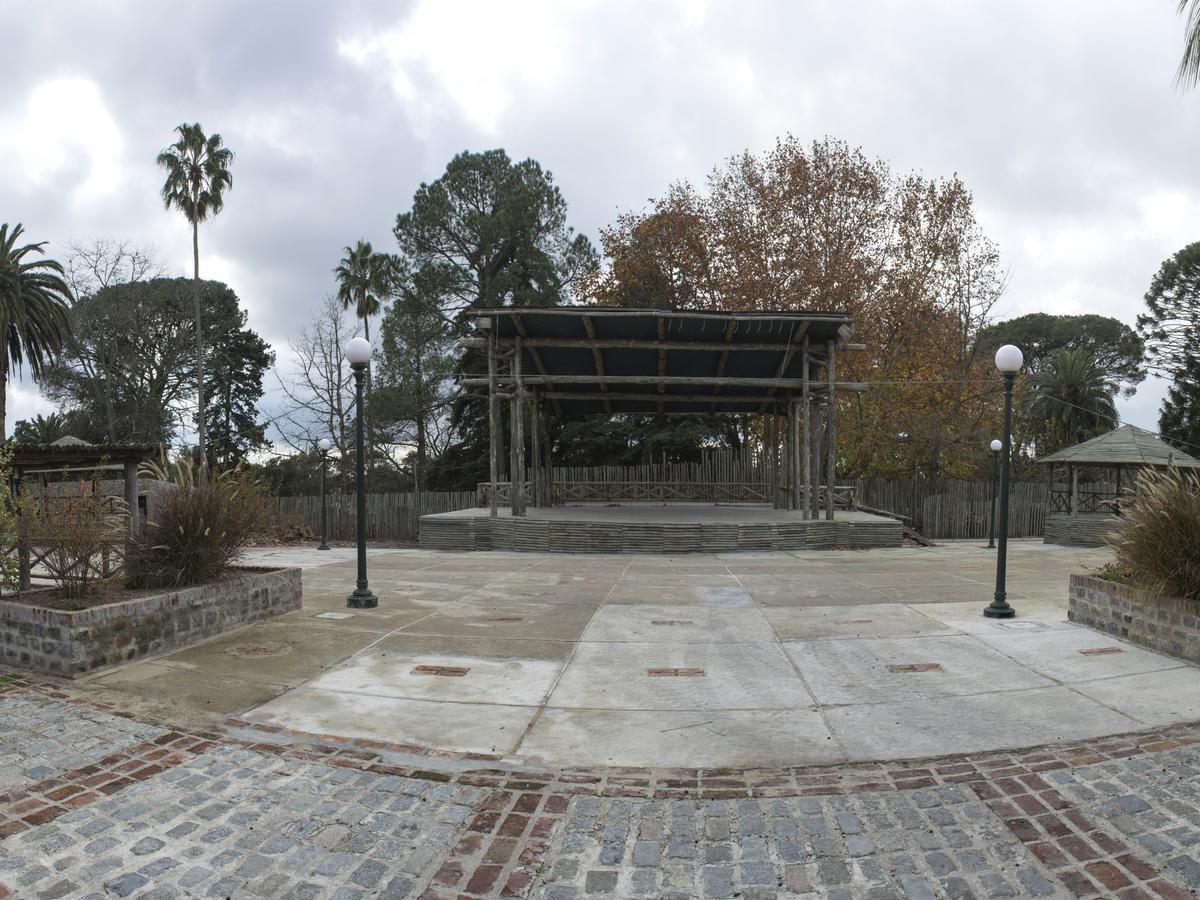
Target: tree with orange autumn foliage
{"points": [[825, 228]]}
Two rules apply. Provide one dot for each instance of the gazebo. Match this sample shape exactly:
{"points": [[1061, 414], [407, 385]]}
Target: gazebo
{"points": [[1099, 476], [570, 362]]}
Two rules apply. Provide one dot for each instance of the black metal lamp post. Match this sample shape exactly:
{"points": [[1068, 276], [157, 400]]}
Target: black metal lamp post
{"points": [[1008, 360], [996, 446], [358, 354], [324, 445]]}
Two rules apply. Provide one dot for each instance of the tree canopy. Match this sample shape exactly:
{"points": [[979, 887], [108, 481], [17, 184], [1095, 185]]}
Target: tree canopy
{"points": [[128, 375], [1114, 347], [824, 227], [1170, 327]]}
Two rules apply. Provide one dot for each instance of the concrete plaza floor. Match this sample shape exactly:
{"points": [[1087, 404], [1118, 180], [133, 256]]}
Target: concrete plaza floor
{"points": [[729, 660]]}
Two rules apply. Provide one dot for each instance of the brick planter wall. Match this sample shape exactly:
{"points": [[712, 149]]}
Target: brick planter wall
{"points": [[1159, 622], [69, 644]]}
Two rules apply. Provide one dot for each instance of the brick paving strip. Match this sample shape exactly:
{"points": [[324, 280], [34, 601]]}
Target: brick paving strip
{"points": [[1117, 817]]}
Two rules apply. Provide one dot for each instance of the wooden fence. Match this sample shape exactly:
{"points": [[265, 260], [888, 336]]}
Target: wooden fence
{"points": [[940, 508], [389, 516]]}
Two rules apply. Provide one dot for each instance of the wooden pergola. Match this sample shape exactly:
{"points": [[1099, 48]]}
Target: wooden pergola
{"points": [[71, 457], [1119, 454], [578, 361]]}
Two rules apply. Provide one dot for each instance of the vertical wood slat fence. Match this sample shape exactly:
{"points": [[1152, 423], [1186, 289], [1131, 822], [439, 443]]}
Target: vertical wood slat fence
{"points": [[939, 508], [389, 516]]}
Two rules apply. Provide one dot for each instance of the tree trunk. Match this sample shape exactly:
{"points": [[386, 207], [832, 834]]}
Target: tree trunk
{"points": [[419, 469], [3, 401], [199, 350]]}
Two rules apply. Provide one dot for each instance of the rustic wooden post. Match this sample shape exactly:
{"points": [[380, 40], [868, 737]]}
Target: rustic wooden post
{"points": [[831, 427], [493, 421], [131, 497], [793, 448], [1074, 490], [517, 477], [806, 432], [535, 450], [544, 424], [818, 436], [769, 453]]}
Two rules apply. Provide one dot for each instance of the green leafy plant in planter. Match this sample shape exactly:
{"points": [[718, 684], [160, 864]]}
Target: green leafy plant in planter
{"points": [[10, 524], [1158, 546], [197, 527]]}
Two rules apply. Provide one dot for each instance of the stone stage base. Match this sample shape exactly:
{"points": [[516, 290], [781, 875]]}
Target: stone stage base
{"points": [[681, 528]]}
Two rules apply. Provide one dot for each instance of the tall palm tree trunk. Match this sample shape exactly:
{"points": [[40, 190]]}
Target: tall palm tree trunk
{"points": [[3, 401], [199, 349]]}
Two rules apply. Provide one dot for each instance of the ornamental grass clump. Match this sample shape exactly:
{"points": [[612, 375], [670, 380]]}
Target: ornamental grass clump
{"points": [[1158, 545], [198, 526]]}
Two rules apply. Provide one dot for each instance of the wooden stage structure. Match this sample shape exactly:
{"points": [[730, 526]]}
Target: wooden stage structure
{"points": [[570, 362]]}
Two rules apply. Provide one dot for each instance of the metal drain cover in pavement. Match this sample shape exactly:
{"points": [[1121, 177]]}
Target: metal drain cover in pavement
{"points": [[334, 615], [1022, 626], [1097, 651], [672, 622], [675, 673], [260, 648], [914, 667], [448, 671]]}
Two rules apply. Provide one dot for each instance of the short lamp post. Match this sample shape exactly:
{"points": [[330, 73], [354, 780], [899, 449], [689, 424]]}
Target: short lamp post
{"points": [[1009, 360], [358, 354], [324, 445], [996, 446]]}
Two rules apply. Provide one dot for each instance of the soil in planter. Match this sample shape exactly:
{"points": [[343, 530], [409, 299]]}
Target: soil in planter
{"points": [[105, 593]]}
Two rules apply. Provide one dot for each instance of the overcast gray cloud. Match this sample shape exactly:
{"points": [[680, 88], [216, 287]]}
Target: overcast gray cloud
{"points": [[1061, 116]]}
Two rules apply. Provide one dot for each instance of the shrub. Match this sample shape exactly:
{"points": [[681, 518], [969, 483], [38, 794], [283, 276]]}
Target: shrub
{"points": [[1159, 542], [197, 527], [77, 529]]}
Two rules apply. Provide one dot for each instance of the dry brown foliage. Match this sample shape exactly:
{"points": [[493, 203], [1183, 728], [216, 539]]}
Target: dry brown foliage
{"points": [[1159, 541]]}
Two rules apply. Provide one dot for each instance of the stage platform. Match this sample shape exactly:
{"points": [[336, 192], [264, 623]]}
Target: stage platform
{"points": [[677, 528]]}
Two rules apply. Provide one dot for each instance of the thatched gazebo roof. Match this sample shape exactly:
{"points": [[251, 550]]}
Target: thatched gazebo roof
{"points": [[1127, 445]]}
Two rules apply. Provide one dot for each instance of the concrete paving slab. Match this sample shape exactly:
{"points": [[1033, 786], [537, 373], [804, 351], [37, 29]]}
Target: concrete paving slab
{"points": [[1152, 698], [968, 617], [890, 670], [469, 727], [726, 597], [1077, 654], [452, 678], [970, 724], [863, 620], [529, 621], [617, 676], [684, 624], [203, 690], [488, 647], [664, 738]]}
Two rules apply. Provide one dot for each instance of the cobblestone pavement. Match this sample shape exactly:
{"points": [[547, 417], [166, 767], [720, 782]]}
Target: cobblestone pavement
{"points": [[259, 812]]}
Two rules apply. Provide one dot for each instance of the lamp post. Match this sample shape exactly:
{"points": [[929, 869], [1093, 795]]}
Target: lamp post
{"points": [[1008, 360], [996, 446], [324, 445], [358, 354]]}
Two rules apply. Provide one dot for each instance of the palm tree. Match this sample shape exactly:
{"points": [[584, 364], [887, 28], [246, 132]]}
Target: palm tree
{"points": [[1189, 66], [33, 308], [41, 429], [1070, 399], [197, 177], [362, 278]]}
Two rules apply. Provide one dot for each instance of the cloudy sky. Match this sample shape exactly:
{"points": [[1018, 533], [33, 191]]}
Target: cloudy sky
{"points": [[1061, 116]]}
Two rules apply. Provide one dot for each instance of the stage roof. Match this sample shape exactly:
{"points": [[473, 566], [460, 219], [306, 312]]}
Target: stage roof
{"points": [[590, 360]]}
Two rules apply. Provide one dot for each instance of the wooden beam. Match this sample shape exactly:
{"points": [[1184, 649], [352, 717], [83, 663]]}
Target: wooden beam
{"points": [[724, 358], [661, 326], [536, 356], [660, 344], [831, 428], [597, 359], [517, 475], [568, 311], [792, 345], [806, 434], [653, 398], [643, 379], [493, 423]]}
